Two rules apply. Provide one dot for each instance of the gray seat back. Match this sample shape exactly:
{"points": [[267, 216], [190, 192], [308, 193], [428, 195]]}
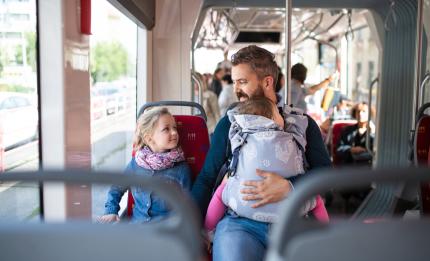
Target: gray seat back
{"points": [[384, 239], [175, 238]]}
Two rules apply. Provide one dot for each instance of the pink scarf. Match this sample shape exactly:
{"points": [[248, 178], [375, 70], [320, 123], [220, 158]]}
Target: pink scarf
{"points": [[147, 159]]}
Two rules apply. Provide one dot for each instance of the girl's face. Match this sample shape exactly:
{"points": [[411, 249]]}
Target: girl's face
{"points": [[164, 136]]}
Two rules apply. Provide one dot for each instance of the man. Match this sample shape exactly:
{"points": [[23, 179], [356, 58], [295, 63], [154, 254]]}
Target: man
{"points": [[254, 74], [298, 89]]}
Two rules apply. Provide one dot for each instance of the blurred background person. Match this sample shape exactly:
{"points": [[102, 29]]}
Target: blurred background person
{"points": [[227, 96], [209, 102], [216, 85], [299, 90], [352, 145]]}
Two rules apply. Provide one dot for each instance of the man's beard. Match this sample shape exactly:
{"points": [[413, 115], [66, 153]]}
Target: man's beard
{"points": [[258, 93]]}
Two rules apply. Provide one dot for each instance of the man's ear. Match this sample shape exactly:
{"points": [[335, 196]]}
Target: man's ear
{"points": [[268, 82]]}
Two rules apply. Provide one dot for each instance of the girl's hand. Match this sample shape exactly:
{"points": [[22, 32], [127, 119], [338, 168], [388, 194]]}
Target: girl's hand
{"points": [[109, 218]]}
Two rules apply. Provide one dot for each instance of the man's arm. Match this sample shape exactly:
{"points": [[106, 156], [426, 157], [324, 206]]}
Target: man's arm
{"points": [[316, 152], [216, 157], [313, 89]]}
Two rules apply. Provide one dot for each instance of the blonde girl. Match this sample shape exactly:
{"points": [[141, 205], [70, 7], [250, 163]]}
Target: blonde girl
{"points": [[157, 154]]}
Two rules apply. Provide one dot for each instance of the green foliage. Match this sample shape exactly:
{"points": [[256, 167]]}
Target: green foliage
{"points": [[108, 61], [15, 88], [31, 49], [18, 55]]}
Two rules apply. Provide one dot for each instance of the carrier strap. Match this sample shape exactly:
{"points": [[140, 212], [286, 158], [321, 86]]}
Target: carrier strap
{"points": [[235, 157]]}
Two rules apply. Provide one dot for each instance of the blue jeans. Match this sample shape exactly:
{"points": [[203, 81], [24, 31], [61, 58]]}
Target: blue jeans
{"points": [[237, 238]]}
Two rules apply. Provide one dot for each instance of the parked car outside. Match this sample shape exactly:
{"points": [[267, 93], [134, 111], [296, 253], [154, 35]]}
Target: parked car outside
{"points": [[19, 119]]}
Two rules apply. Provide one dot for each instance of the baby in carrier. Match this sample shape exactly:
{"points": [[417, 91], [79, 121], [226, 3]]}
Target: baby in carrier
{"points": [[259, 140]]}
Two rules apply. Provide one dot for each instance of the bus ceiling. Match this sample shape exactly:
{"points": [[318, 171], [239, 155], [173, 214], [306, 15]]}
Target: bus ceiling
{"points": [[222, 27]]}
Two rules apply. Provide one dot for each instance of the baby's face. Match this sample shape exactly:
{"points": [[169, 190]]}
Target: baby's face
{"points": [[277, 117]]}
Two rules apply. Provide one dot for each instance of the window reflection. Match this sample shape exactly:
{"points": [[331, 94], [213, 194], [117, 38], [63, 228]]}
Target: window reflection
{"points": [[113, 92], [18, 108]]}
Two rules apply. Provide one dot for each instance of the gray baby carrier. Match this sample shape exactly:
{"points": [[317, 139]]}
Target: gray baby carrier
{"points": [[259, 143]]}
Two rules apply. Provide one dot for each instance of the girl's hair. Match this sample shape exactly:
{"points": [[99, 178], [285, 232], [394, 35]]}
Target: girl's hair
{"points": [[261, 106], [146, 124]]}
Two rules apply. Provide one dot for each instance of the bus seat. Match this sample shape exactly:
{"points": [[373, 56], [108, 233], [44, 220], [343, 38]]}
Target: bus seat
{"points": [[335, 135], [422, 157], [387, 239], [193, 139], [422, 141], [80, 240]]}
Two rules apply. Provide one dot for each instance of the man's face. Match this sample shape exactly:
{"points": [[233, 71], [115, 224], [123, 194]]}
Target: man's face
{"points": [[245, 82]]}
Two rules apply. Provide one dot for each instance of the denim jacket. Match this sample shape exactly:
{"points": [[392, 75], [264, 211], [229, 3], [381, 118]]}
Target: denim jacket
{"points": [[148, 206]]}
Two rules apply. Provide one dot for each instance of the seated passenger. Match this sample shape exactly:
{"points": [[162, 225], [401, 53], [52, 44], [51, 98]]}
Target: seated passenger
{"points": [[340, 112], [254, 74], [351, 148], [256, 125], [157, 154]]}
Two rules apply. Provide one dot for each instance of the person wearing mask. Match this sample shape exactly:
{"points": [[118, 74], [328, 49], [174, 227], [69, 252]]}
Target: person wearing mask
{"points": [[352, 145]]}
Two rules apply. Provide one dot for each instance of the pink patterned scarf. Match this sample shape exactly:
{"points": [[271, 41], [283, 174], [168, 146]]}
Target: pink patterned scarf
{"points": [[147, 159]]}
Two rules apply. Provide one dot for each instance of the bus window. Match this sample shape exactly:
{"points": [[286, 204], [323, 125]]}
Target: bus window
{"points": [[19, 119], [113, 91]]}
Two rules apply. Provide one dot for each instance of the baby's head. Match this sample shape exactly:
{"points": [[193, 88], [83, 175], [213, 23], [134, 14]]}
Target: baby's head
{"points": [[156, 128], [261, 106]]}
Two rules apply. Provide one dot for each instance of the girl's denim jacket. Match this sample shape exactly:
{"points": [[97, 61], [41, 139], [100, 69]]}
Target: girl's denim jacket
{"points": [[148, 206]]}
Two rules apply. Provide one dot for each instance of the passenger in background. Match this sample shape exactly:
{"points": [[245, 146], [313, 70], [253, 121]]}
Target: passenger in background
{"points": [[225, 64], [227, 96], [298, 89], [279, 87], [216, 85], [209, 103], [254, 74], [157, 154], [342, 111], [352, 145]]}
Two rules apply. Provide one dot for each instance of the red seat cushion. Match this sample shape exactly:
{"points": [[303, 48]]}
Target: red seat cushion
{"points": [[422, 141], [194, 140], [422, 154]]}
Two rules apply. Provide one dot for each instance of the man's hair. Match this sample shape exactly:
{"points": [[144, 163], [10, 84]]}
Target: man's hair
{"points": [[261, 106], [261, 61], [298, 72]]}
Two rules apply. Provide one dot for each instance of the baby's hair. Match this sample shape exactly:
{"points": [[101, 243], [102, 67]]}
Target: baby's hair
{"points": [[145, 125], [261, 106]]}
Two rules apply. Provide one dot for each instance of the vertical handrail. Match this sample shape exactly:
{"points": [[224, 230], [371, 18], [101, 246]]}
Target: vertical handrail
{"points": [[288, 14], [422, 88], [369, 115], [199, 84], [420, 27]]}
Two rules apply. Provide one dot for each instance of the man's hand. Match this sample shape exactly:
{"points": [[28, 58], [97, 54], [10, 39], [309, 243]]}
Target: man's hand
{"points": [[271, 189]]}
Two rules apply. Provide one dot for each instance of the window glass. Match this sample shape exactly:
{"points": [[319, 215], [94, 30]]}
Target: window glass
{"points": [[19, 145], [113, 92]]}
